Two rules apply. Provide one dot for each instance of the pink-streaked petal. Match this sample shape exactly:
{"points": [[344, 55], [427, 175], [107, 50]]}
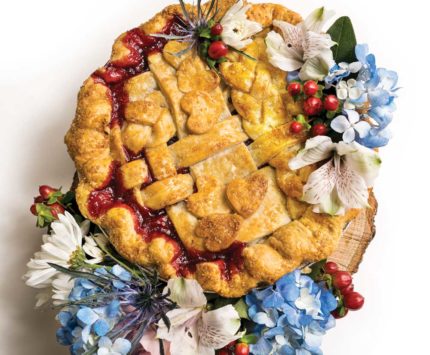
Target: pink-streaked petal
{"points": [[340, 124], [280, 55], [293, 35], [351, 188], [316, 43], [320, 184]]}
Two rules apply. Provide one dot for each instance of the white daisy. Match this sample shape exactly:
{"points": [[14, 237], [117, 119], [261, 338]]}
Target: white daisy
{"points": [[62, 247], [62, 285]]}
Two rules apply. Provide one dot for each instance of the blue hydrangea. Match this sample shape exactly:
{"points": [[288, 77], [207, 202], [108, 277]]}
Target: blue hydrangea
{"points": [[109, 309], [87, 319], [380, 86], [291, 317], [341, 71]]}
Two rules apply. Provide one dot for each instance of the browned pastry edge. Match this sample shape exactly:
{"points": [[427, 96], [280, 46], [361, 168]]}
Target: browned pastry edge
{"points": [[91, 144]]}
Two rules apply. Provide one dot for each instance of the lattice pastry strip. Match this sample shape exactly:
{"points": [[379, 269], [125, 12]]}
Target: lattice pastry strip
{"points": [[163, 165]]}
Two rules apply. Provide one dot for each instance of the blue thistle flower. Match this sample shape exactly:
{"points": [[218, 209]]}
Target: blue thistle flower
{"points": [[110, 308]]}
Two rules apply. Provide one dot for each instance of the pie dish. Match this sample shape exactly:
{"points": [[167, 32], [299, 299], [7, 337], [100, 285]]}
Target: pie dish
{"points": [[187, 169]]}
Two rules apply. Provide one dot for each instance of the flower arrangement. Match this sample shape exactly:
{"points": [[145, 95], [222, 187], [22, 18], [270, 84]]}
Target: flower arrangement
{"points": [[108, 306]]}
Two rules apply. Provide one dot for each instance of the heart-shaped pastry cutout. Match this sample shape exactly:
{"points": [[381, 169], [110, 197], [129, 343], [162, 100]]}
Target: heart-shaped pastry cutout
{"points": [[209, 199], [246, 195], [219, 230], [204, 111]]}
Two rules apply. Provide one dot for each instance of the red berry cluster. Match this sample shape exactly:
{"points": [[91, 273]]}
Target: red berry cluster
{"points": [[234, 348], [48, 205], [343, 289], [314, 103], [217, 49]]}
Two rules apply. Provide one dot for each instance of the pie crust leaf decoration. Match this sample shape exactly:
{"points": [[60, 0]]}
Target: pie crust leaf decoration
{"points": [[187, 170]]}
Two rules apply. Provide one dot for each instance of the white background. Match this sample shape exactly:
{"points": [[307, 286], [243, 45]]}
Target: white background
{"points": [[48, 47]]}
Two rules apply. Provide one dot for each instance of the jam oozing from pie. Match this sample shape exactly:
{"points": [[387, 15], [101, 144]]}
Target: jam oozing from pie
{"points": [[152, 224], [148, 223], [115, 73]]}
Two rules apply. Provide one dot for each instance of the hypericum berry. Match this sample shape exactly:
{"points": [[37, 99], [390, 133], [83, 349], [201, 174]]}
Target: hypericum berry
{"points": [[331, 103], [319, 129], [231, 344], [217, 50], [310, 88], [312, 106], [342, 279], [330, 267], [33, 209], [223, 352], [39, 199], [353, 301], [216, 29], [337, 313], [56, 209], [347, 289], [296, 127], [46, 191], [294, 88], [241, 349]]}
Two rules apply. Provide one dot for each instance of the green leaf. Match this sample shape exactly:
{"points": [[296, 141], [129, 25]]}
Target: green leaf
{"points": [[205, 32], [317, 270], [68, 197], [241, 308], [221, 302], [302, 119], [249, 339], [54, 197], [330, 114], [211, 63], [343, 34], [242, 53], [44, 215]]}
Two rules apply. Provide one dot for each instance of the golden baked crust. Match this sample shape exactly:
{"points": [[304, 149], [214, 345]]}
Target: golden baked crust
{"points": [[180, 181]]}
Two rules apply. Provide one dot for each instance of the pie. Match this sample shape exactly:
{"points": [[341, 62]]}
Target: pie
{"points": [[187, 169]]}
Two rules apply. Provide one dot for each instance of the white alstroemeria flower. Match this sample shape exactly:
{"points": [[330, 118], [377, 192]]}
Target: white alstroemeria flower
{"points": [[62, 247], [301, 44], [192, 329], [350, 124], [237, 29], [341, 183], [350, 92]]}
